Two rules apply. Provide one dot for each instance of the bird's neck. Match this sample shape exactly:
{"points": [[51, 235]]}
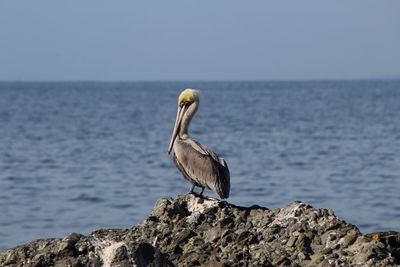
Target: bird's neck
{"points": [[187, 118]]}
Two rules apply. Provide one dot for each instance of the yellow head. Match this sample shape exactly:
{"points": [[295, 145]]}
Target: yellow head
{"points": [[188, 96], [188, 102]]}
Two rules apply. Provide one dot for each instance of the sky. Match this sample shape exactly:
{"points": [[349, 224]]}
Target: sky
{"points": [[129, 40]]}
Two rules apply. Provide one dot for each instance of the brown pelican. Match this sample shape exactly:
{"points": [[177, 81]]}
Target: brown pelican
{"points": [[197, 163]]}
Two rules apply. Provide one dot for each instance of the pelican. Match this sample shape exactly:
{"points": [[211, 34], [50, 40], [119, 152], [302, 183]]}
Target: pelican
{"points": [[197, 163]]}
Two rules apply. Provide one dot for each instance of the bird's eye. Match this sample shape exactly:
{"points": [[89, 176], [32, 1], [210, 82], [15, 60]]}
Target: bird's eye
{"points": [[185, 103]]}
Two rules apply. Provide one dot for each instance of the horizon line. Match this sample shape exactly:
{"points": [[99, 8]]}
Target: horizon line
{"points": [[195, 80]]}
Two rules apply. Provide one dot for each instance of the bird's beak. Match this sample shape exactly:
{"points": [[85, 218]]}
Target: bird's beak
{"points": [[179, 116]]}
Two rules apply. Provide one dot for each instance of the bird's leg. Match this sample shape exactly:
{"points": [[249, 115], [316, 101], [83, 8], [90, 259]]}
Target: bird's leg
{"points": [[202, 190], [191, 190]]}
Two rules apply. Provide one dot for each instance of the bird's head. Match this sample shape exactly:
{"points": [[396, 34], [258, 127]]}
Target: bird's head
{"points": [[188, 101], [187, 97]]}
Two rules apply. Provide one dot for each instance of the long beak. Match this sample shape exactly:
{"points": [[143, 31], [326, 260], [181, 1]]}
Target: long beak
{"points": [[179, 116]]}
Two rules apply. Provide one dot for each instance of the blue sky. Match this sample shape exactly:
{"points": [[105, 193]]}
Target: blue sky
{"points": [[199, 40]]}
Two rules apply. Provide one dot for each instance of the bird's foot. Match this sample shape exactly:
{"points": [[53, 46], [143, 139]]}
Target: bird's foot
{"points": [[191, 191], [195, 194]]}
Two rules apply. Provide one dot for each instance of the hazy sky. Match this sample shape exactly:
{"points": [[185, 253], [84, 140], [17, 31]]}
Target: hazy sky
{"points": [[198, 40]]}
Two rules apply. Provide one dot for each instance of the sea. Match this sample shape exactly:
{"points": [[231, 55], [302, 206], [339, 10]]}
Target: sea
{"points": [[79, 156]]}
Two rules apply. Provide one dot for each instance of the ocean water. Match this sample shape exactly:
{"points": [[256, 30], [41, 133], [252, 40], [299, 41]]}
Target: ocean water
{"points": [[75, 157]]}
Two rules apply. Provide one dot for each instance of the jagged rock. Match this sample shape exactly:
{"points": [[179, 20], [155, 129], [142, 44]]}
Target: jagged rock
{"points": [[193, 231]]}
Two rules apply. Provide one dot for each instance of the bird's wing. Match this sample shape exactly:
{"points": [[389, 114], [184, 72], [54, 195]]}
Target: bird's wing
{"points": [[203, 166]]}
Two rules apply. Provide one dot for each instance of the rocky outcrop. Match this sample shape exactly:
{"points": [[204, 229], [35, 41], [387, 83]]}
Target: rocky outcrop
{"points": [[193, 231]]}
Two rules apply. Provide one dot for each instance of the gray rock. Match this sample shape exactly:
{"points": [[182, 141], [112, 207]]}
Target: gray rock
{"points": [[193, 231]]}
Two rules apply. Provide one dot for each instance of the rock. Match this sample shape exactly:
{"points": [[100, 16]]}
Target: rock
{"points": [[193, 231]]}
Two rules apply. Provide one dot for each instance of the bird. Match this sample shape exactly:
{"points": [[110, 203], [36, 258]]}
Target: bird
{"points": [[198, 164]]}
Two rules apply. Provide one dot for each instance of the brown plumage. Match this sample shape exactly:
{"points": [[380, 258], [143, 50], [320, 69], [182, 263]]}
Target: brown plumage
{"points": [[197, 163]]}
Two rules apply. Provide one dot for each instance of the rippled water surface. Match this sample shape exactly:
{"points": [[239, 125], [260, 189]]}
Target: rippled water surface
{"points": [[75, 157]]}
